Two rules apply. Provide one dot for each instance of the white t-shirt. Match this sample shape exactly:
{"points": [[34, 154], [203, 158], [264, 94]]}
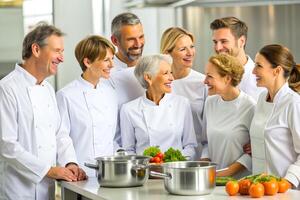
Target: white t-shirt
{"points": [[126, 86], [227, 129], [118, 65]]}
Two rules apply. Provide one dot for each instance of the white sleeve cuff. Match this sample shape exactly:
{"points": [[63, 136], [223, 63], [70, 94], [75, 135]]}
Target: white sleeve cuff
{"points": [[246, 161]]}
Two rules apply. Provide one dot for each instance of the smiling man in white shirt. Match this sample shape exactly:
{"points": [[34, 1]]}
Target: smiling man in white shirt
{"points": [[30, 140], [229, 36]]}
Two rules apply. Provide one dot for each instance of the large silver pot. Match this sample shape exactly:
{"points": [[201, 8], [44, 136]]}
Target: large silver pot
{"points": [[121, 171], [188, 177]]}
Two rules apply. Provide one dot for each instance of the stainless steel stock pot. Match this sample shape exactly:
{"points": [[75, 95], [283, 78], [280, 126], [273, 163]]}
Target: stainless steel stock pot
{"points": [[188, 177], [121, 170]]}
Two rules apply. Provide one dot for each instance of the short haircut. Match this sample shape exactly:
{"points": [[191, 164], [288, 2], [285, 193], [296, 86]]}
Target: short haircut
{"points": [[228, 65], [171, 36], [237, 27], [121, 20], [149, 65], [39, 36], [92, 47]]}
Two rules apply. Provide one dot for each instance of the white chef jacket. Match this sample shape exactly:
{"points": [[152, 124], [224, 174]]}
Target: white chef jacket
{"points": [[30, 140], [90, 117], [275, 135], [248, 82], [126, 86], [169, 124], [192, 87], [227, 129]]}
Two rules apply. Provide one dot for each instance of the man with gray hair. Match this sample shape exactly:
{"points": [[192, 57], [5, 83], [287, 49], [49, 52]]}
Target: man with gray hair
{"points": [[128, 36], [30, 140]]}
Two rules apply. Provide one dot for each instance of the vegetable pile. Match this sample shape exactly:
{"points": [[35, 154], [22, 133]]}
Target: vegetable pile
{"points": [[159, 157], [257, 185]]}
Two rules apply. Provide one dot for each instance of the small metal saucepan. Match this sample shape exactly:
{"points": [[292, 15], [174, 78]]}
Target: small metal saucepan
{"points": [[188, 177], [121, 171]]}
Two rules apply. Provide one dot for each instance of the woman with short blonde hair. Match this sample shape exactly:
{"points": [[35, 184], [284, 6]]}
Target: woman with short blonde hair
{"points": [[228, 114]]}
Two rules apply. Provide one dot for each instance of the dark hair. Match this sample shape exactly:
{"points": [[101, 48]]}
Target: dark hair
{"points": [[278, 55], [39, 36], [93, 47], [294, 79], [121, 20], [237, 27]]}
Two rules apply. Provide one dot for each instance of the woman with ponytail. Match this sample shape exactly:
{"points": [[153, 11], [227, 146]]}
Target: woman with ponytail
{"points": [[275, 128]]}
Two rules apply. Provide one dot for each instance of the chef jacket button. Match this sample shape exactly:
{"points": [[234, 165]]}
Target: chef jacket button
{"points": [[39, 146], [50, 125], [36, 126], [171, 124]]}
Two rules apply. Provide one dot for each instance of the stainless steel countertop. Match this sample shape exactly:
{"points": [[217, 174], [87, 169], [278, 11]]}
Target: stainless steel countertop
{"points": [[154, 189]]}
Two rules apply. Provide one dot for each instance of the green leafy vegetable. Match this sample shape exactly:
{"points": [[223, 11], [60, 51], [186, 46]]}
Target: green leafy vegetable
{"points": [[151, 151], [222, 180], [173, 155]]}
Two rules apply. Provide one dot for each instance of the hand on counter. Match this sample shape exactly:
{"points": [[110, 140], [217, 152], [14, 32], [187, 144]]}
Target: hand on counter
{"points": [[77, 171], [61, 173]]}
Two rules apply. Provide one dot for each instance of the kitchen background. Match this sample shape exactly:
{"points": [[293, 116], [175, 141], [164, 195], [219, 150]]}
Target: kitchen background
{"points": [[269, 21]]}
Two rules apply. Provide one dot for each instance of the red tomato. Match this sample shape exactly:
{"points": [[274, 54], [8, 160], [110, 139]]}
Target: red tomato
{"points": [[256, 190], [244, 186], [157, 159], [160, 155], [232, 188], [152, 160], [271, 187]]}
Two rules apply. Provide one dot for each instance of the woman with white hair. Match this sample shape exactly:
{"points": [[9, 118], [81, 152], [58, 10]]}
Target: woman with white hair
{"points": [[157, 118]]}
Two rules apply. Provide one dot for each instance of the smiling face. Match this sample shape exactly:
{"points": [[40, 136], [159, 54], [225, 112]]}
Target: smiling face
{"points": [[264, 72], [225, 42], [184, 52], [100, 68], [161, 83], [215, 82], [50, 55], [131, 42]]}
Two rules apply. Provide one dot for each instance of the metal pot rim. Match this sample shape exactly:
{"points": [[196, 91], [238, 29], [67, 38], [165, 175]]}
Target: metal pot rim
{"points": [[169, 165], [126, 158]]}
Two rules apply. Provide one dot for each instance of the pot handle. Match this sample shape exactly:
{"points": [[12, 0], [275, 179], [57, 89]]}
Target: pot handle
{"points": [[121, 152], [161, 175], [92, 165]]}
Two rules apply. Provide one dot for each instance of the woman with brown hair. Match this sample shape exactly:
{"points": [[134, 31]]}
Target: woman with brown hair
{"points": [[275, 129], [88, 105]]}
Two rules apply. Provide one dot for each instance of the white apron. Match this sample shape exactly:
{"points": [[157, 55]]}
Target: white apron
{"points": [[257, 136], [45, 123]]}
